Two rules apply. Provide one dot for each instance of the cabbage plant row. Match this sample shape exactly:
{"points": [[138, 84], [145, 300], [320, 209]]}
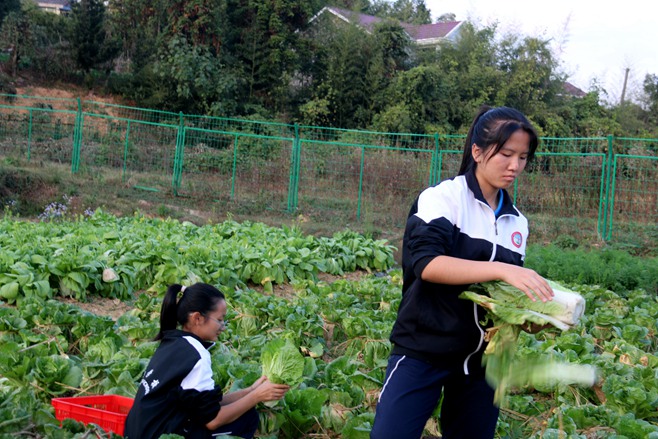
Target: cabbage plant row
{"points": [[49, 348], [69, 258]]}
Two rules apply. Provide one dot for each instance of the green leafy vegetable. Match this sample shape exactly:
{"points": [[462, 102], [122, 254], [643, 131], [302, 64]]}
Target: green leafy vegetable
{"points": [[511, 305], [509, 308], [282, 362]]}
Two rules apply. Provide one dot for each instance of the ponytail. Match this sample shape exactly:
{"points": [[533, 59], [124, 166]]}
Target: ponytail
{"points": [[168, 314], [200, 297], [467, 157]]}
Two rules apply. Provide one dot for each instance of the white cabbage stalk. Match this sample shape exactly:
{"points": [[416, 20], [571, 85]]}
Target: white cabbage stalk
{"points": [[110, 275], [574, 304], [550, 374]]}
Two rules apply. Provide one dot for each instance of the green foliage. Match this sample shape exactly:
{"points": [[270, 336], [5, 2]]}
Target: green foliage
{"points": [[613, 269], [91, 43], [192, 73], [8, 6], [340, 329], [235, 58], [509, 309], [73, 265], [420, 95], [16, 32], [650, 88], [282, 362], [407, 11]]}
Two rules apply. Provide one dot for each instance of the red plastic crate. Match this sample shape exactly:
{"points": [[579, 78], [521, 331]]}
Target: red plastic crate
{"points": [[107, 411]]}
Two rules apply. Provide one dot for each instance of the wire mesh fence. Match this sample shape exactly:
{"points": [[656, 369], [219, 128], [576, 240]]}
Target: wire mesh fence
{"points": [[633, 201], [601, 186]]}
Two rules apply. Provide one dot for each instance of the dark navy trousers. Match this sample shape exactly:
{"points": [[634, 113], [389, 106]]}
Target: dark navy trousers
{"points": [[245, 427], [412, 389]]}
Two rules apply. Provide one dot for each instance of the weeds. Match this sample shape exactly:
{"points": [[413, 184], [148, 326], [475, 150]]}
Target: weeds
{"points": [[57, 211]]}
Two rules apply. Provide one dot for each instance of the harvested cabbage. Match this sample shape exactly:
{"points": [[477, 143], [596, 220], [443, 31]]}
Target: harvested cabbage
{"points": [[282, 362], [509, 309], [511, 305]]}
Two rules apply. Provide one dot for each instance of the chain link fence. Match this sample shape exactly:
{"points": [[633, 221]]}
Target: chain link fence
{"points": [[601, 186]]}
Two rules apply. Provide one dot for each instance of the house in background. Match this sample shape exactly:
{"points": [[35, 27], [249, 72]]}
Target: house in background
{"points": [[425, 35], [572, 90], [60, 7]]}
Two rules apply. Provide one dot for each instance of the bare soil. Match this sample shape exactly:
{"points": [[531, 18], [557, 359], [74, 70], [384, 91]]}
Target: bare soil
{"points": [[115, 308], [100, 306]]}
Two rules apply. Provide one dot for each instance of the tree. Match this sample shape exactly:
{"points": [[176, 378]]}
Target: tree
{"points": [[446, 18], [342, 80], [262, 40], [194, 77], [411, 11], [470, 64], [405, 11], [419, 100], [7, 6], [90, 41], [531, 79], [16, 35], [139, 25], [48, 53], [391, 54], [650, 87]]}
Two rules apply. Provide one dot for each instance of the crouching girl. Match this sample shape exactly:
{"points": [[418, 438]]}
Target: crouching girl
{"points": [[177, 393]]}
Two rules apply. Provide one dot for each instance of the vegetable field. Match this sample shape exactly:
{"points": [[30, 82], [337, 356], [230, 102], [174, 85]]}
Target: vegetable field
{"points": [[277, 289]]}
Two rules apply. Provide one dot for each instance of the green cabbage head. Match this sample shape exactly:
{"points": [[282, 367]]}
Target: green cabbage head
{"points": [[282, 362]]}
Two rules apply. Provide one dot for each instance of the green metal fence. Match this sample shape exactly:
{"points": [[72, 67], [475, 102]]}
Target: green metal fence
{"points": [[605, 186]]}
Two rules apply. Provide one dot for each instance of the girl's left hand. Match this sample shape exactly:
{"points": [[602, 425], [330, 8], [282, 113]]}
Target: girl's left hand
{"points": [[257, 383]]}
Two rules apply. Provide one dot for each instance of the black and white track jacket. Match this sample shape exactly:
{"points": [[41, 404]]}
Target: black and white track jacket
{"points": [[453, 219], [177, 389]]}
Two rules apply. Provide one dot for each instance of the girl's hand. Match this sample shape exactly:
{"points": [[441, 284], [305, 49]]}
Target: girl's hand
{"points": [[257, 383], [268, 391], [532, 284]]}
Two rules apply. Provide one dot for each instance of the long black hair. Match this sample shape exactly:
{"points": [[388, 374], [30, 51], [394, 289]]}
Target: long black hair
{"points": [[200, 297], [492, 127]]}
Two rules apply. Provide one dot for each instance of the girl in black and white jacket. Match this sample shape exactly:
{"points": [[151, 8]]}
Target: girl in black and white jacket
{"points": [[177, 393], [461, 231]]}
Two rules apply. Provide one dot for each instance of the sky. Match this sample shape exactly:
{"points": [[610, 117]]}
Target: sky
{"points": [[594, 39]]}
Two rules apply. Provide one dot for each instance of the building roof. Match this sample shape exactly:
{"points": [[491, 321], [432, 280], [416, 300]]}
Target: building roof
{"points": [[60, 3], [572, 90], [426, 31], [421, 34]]}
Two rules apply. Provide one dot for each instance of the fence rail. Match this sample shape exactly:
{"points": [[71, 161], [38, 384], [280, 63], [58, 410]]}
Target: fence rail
{"points": [[604, 185]]}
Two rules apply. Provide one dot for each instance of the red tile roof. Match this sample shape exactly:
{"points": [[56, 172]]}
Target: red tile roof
{"points": [[416, 32], [427, 31]]}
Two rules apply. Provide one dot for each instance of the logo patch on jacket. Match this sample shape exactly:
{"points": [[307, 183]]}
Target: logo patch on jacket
{"points": [[517, 239]]}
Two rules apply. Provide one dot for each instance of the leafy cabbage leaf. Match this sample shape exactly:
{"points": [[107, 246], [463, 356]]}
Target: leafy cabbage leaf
{"points": [[282, 362], [509, 309]]}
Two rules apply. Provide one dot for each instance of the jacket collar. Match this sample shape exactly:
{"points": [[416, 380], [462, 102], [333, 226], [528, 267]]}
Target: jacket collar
{"points": [[177, 333], [472, 183]]}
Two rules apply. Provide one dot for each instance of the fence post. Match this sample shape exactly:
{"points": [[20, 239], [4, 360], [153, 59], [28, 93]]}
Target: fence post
{"points": [[435, 164], [29, 137], [360, 196], [125, 152], [178, 155], [77, 139], [295, 156], [234, 167], [603, 231], [611, 198]]}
